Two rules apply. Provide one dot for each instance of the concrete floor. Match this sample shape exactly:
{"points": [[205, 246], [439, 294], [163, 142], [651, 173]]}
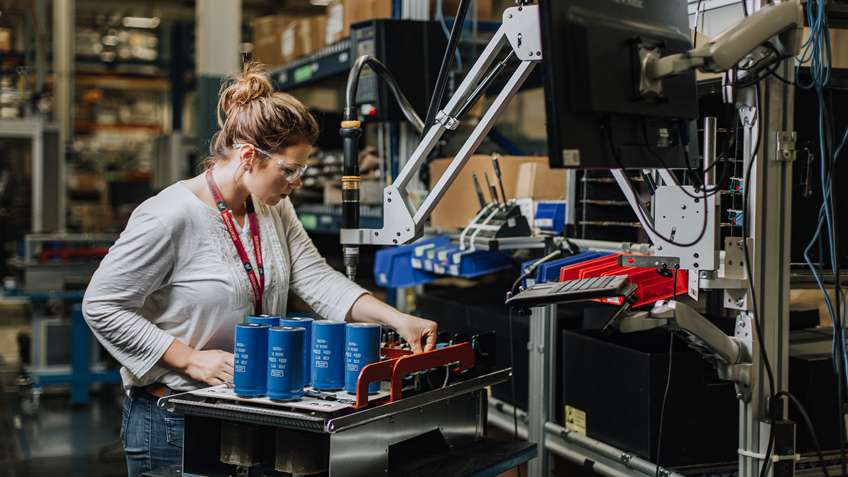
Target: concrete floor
{"points": [[59, 440]]}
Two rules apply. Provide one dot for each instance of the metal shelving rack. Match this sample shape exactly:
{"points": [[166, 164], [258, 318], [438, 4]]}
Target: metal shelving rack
{"points": [[328, 62]]}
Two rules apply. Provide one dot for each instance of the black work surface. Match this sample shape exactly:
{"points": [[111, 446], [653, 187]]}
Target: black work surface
{"points": [[487, 457]]}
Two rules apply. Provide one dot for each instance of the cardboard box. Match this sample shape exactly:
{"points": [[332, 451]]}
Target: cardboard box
{"points": [[540, 182], [275, 39], [336, 24], [486, 9], [360, 10], [312, 34], [5, 39], [267, 39], [289, 45], [459, 204]]}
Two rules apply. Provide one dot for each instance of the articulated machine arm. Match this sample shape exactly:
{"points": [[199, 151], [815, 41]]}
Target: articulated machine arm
{"points": [[731, 355], [402, 221], [520, 32]]}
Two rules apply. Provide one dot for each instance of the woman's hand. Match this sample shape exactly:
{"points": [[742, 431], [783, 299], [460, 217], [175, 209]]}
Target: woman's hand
{"points": [[212, 367], [418, 332]]}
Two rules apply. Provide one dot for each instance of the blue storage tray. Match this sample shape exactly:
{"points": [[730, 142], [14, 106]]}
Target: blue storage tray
{"points": [[549, 271], [393, 266]]}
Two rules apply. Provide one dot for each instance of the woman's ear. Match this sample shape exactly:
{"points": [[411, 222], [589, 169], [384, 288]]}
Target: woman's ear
{"points": [[247, 156]]}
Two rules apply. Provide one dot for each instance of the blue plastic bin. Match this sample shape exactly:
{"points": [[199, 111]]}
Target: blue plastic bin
{"points": [[393, 266]]}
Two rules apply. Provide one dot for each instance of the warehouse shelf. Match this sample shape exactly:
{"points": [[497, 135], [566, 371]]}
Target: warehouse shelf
{"points": [[328, 62], [156, 83], [84, 127]]}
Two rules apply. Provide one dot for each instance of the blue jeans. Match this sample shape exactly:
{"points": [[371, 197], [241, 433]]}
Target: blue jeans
{"points": [[152, 437]]}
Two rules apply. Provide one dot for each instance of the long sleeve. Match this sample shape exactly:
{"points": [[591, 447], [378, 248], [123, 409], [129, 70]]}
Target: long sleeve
{"points": [[139, 263], [327, 291]]}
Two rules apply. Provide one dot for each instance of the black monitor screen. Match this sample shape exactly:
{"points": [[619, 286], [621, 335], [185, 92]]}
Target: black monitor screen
{"points": [[596, 115]]}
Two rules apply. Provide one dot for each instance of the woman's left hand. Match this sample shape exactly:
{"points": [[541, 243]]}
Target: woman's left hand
{"points": [[418, 332]]}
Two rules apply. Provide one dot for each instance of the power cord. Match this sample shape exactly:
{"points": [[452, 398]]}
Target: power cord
{"points": [[668, 377], [641, 212], [808, 423]]}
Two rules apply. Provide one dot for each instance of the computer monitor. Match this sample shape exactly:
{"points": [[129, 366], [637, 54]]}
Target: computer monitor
{"points": [[596, 116]]}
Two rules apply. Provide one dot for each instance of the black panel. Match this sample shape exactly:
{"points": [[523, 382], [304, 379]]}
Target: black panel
{"points": [[619, 383], [592, 74], [806, 190], [411, 50]]}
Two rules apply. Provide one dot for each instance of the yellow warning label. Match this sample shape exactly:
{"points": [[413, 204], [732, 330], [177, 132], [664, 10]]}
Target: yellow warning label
{"points": [[575, 420]]}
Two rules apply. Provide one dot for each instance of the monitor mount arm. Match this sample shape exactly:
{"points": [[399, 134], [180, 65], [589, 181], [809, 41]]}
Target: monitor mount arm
{"points": [[727, 49], [730, 355]]}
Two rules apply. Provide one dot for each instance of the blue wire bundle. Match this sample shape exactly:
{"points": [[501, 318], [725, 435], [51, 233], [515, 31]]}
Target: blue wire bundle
{"points": [[817, 50]]}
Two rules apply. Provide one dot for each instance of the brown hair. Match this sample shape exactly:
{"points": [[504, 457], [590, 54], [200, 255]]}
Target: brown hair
{"points": [[251, 112]]}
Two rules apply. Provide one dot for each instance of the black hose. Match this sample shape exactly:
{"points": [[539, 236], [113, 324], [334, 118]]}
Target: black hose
{"points": [[442, 79], [383, 72]]}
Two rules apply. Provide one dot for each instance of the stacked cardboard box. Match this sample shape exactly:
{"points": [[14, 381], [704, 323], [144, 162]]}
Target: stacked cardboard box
{"points": [[524, 177], [281, 39]]}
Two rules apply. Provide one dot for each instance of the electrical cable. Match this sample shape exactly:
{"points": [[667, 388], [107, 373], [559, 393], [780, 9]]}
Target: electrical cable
{"points": [[817, 52], [668, 374], [647, 222], [440, 16], [809, 424], [384, 73], [442, 78]]}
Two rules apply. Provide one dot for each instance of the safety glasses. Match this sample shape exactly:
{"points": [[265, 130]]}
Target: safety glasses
{"points": [[291, 173]]}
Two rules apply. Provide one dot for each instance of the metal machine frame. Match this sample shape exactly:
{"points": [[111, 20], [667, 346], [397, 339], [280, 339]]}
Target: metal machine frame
{"points": [[770, 183], [349, 444]]}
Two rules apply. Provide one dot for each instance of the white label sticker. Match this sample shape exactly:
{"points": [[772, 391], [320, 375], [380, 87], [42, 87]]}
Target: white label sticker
{"points": [[575, 420]]}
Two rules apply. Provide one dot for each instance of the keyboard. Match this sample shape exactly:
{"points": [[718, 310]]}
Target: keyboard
{"points": [[572, 291]]}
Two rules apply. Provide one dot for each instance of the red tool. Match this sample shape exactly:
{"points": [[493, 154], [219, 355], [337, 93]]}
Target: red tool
{"points": [[401, 363]]}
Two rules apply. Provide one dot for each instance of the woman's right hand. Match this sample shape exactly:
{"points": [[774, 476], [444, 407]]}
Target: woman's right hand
{"points": [[212, 367]]}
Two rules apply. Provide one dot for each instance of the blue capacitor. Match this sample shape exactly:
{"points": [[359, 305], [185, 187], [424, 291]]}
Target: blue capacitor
{"points": [[285, 363], [270, 320], [250, 356], [328, 341], [362, 347], [304, 322]]}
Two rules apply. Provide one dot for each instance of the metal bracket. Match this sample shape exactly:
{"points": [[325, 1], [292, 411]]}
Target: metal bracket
{"points": [[786, 146], [662, 264], [447, 121], [649, 85], [522, 31], [748, 115]]}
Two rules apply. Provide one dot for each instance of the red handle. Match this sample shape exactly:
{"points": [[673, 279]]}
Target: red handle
{"points": [[379, 371], [401, 363], [462, 354]]}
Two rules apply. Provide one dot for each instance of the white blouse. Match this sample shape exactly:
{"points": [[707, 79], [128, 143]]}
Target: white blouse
{"points": [[174, 273]]}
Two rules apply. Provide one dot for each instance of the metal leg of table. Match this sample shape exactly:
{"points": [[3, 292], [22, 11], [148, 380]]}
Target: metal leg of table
{"points": [[540, 381]]}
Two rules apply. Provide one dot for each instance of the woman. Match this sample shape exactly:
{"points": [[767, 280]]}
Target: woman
{"points": [[184, 272]]}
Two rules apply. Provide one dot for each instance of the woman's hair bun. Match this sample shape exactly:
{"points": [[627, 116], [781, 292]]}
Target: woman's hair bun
{"points": [[241, 89]]}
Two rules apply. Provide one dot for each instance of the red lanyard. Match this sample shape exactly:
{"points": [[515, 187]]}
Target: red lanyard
{"points": [[257, 285]]}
